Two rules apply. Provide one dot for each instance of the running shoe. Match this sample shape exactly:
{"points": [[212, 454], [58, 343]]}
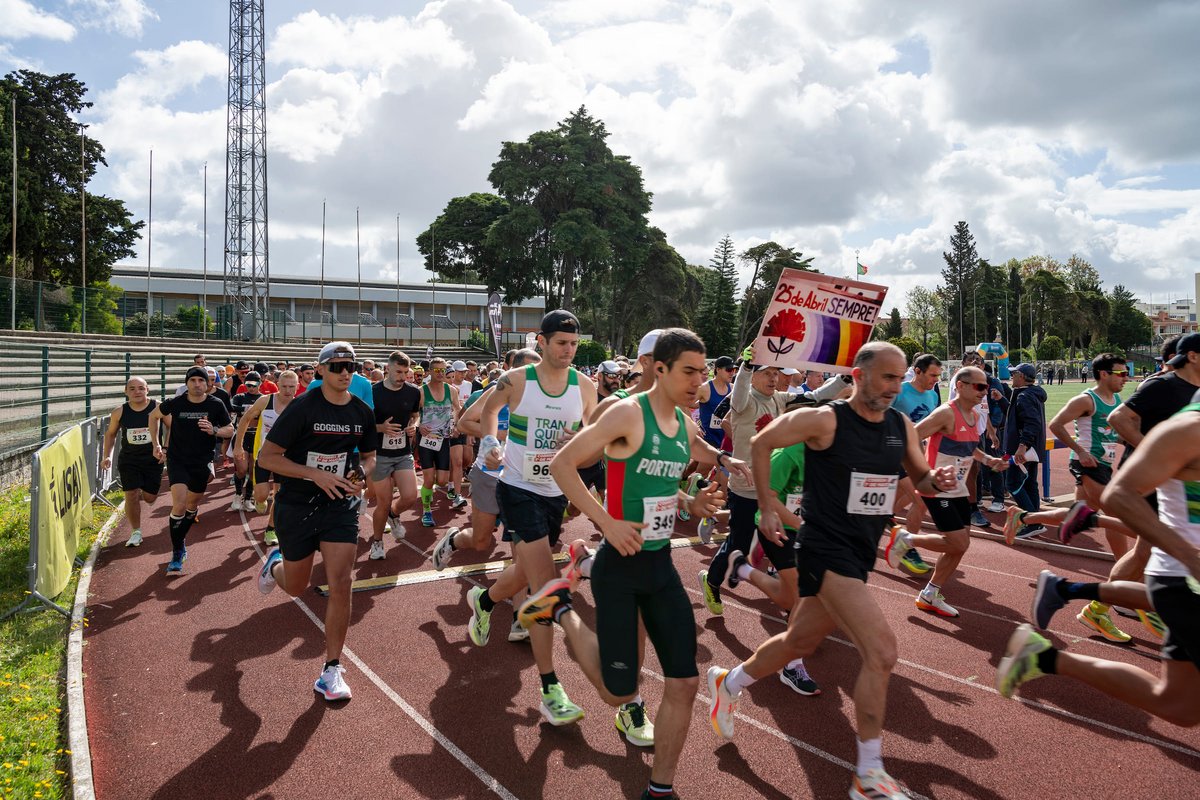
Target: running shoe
{"points": [[236, 505], [979, 520], [1046, 600], [261, 508], [266, 578], [799, 681], [1079, 517], [444, 550], [634, 725], [736, 559], [377, 551], [387, 524], [936, 604], [1101, 623], [1153, 623], [1020, 661], [557, 708], [135, 539], [722, 706], [516, 633], [897, 547], [646, 796], [876, 785], [704, 529], [539, 609], [576, 555], [331, 685], [398, 532], [914, 564], [997, 507], [1013, 523], [1030, 531], [175, 566], [270, 538], [480, 625], [712, 595], [427, 519]]}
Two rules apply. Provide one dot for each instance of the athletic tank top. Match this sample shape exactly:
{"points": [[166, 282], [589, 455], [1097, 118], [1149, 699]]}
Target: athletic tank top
{"points": [[1179, 509], [135, 435], [535, 429], [438, 415], [712, 433], [850, 487], [1094, 433], [644, 487], [266, 419], [954, 450]]}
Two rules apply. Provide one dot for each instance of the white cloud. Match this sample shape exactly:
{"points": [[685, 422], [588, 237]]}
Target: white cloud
{"points": [[23, 20], [124, 17]]}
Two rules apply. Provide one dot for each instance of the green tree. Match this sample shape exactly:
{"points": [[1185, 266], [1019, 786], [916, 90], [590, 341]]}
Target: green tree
{"points": [[1127, 326], [768, 261], [192, 318], [909, 345], [958, 277], [590, 353], [718, 321], [893, 328], [924, 310], [457, 242], [49, 184], [1080, 275], [1050, 348]]}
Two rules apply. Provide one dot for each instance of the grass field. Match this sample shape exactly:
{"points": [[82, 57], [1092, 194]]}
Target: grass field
{"points": [[34, 761], [1058, 396]]}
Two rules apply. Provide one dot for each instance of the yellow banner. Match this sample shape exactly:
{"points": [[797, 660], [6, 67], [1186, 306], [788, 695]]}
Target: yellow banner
{"points": [[64, 506]]}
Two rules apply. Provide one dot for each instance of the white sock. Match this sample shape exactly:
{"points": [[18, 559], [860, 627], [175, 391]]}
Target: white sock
{"points": [[931, 589], [635, 701], [870, 755], [738, 679], [585, 566], [795, 663], [744, 571]]}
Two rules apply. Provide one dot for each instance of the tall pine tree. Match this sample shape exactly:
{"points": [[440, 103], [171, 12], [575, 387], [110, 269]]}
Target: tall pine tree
{"points": [[962, 262], [718, 323]]}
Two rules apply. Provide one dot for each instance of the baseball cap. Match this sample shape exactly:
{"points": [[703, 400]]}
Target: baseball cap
{"points": [[241, 365], [722, 362], [610, 368], [262, 368], [646, 345], [782, 370], [1028, 370], [559, 321], [336, 350], [212, 373], [303, 367], [253, 379], [1188, 343], [458, 366], [196, 372]]}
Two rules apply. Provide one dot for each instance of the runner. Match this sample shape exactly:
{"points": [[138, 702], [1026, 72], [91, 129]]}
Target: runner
{"points": [[917, 400], [261, 416], [192, 420], [648, 441], [954, 443], [321, 450], [139, 471], [1169, 459], [439, 407], [306, 373], [548, 403], [397, 405], [461, 449], [249, 393], [710, 396], [854, 451]]}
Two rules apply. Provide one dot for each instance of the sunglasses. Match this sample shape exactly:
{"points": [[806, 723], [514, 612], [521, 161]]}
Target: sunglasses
{"points": [[438, 371], [979, 387], [341, 366], [1119, 372]]}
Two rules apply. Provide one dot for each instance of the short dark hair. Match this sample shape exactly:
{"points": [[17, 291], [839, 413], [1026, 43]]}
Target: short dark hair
{"points": [[674, 342], [524, 356], [1105, 363], [399, 358], [1170, 346], [508, 357], [924, 361]]}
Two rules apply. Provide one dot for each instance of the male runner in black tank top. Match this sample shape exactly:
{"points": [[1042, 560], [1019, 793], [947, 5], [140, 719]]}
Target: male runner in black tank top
{"points": [[854, 452], [139, 470]]}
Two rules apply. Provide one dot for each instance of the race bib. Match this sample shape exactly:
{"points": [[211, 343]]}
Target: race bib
{"points": [[1110, 452], [395, 441], [537, 467], [961, 467], [137, 436], [334, 463], [658, 513], [793, 502], [432, 441], [714, 422], [871, 495]]}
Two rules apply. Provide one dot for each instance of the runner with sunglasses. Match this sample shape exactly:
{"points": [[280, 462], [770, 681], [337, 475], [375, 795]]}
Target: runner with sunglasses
{"points": [[440, 405]]}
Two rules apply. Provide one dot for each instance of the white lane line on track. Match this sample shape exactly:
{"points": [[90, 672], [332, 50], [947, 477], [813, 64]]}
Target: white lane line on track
{"points": [[984, 687], [479, 772]]}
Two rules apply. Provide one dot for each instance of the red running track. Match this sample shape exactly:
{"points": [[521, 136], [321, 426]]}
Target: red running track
{"points": [[198, 687]]}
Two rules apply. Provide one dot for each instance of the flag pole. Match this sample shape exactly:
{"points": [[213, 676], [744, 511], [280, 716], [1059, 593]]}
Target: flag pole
{"points": [[397, 277], [204, 282], [14, 214], [149, 243], [321, 314], [358, 252], [83, 228]]}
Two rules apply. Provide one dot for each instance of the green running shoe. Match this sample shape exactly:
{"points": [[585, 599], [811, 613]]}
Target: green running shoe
{"points": [[1020, 662], [480, 626], [557, 708]]}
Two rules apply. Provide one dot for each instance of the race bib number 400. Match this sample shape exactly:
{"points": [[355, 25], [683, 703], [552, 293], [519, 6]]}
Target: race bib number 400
{"points": [[871, 495], [327, 462], [537, 467], [395, 441], [137, 436], [658, 513]]}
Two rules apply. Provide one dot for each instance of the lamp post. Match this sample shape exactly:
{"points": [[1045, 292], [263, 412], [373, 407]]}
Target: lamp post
{"points": [[83, 228], [975, 312]]}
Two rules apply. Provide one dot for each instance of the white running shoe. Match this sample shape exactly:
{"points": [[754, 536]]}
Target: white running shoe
{"points": [[377, 551], [444, 550], [876, 785], [134, 539], [266, 576], [936, 604], [331, 685], [723, 705], [398, 532], [517, 634], [236, 505], [996, 508]]}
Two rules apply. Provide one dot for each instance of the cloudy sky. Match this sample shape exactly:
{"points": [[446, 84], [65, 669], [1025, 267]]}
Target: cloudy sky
{"points": [[864, 125]]}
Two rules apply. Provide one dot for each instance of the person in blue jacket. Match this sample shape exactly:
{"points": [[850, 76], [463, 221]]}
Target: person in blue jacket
{"points": [[1024, 439]]}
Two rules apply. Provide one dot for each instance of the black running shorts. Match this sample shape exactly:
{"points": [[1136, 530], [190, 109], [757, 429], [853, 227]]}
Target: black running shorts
{"points": [[593, 477], [146, 477], [196, 476], [529, 517], [302, 526], [1179, 608], [435, 459], [815, 556], [949, 513], [1101, 473]]}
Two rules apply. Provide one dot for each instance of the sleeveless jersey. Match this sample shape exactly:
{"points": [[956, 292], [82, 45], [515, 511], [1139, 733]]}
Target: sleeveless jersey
{"points": [[266, 419], [954, 450], [438, 415], [712, 433], [535, 430], [135, 435], [644, 487], [850, 487], [1179, 509], [1094, 433]]}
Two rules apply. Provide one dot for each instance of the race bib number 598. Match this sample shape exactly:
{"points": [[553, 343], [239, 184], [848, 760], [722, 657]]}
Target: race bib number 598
{"points": [[871, 495]]}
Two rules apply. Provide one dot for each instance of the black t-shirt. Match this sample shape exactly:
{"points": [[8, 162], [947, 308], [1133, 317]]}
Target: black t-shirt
{"points": [[241, 404], [314, 432], [223, 396], [1160, 397], [398, 404], [189, 444]]}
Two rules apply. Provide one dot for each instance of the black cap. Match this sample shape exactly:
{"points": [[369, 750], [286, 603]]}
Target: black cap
{"points": [[261, 368], [197, 372], [303, 367], [559, 321], [1188, 343], [241, 365], [722, 362], [253, 378]]}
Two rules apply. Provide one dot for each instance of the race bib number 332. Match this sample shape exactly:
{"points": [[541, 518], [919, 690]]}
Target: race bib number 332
{"points": [[871, 495]]}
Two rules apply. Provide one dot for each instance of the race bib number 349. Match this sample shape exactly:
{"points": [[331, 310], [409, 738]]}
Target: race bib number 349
{"points": [[658, 513], [871, 495]]}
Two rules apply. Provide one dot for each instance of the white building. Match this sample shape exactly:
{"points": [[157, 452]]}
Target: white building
{"points": [[1184, 309]]}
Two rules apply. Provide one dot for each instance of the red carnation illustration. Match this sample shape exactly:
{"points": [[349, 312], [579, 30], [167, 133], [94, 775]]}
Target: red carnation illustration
{"points": [[788, 324]]}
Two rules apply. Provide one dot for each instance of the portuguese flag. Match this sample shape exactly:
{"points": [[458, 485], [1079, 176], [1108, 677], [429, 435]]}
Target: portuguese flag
{"points": [[862, 268]]}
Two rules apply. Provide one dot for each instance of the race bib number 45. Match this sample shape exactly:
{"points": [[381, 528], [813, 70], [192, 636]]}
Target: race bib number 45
{"points": [[537, 467], [137, 436], [658, 513], [871, 495], [327, 462]]}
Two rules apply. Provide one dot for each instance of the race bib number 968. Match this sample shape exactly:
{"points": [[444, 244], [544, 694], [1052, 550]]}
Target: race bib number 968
{"points": [[537, 467]]}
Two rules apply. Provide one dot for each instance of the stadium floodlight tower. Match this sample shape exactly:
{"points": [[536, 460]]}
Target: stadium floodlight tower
{"points": [[247, 274]]}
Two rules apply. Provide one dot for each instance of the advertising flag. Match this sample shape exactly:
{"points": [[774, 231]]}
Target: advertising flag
{"points": [[494, 317]]}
